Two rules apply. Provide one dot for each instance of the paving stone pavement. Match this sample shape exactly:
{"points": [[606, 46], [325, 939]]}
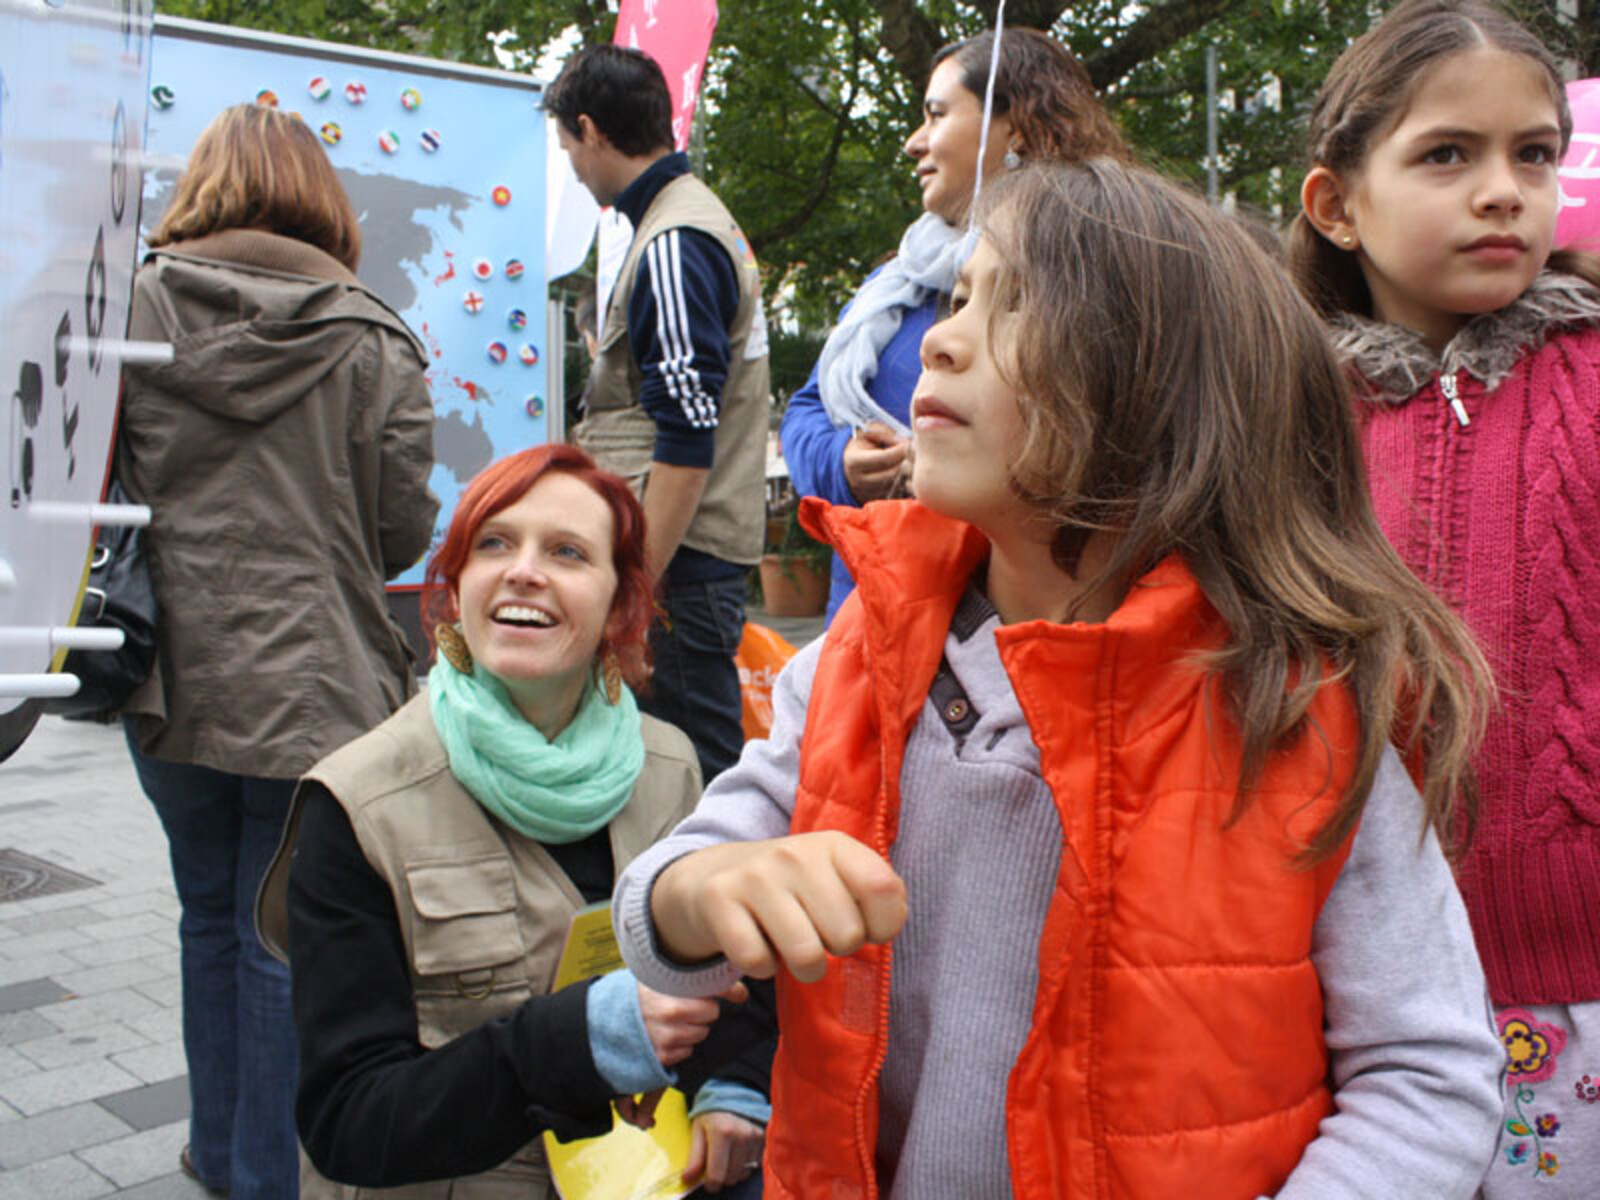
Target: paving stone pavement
{"points": [[93, 1096]]}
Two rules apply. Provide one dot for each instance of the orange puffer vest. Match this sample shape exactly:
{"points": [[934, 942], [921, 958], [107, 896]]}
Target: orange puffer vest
{"points": [[1177, 1041]]}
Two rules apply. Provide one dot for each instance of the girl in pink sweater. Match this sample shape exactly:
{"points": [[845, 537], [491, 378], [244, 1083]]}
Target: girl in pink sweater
{"points": [[1429, 215]]}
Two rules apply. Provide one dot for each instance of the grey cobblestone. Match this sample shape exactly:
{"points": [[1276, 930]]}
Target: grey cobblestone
{"points": [[139, 1157], [62, 1178], [81, 1012], [93, 1096], [32, 1139], [97, 1041], [43, 1090]]}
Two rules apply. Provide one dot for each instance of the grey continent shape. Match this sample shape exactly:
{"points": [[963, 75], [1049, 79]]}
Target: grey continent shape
{"points": [[393, 239]]}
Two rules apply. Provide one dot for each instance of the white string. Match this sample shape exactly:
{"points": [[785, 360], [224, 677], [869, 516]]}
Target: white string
{"points": [[988, 112]]}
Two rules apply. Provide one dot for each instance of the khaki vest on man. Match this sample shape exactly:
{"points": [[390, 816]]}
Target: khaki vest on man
{"points": [[731, 519], [484, 912]]}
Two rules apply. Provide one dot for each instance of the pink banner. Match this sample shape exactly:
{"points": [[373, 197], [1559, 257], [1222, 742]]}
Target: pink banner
{"points": [[677, 34], [1578, 224]]}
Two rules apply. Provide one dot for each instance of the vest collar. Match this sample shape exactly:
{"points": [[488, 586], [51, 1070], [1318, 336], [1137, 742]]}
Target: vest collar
{"points": [[912, 566], [637, 197]]}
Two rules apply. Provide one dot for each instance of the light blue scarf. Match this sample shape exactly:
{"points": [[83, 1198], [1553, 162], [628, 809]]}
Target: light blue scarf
{"points": [[557, 792], [931, 253]]}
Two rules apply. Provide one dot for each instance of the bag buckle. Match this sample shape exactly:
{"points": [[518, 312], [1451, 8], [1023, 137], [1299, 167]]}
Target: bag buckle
{"points": [[99, 597]]}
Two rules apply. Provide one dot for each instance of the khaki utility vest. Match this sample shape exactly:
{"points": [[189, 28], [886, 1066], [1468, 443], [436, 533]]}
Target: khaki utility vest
{"points": [[483, 910], [731, 520]]}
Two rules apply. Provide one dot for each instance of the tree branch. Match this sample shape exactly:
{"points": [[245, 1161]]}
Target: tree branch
{"points": [[798, 219], [1163, 25], [910, 38]]}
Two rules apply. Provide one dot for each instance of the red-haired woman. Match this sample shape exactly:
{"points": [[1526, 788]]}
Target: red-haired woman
{"points": [[438, 861]]}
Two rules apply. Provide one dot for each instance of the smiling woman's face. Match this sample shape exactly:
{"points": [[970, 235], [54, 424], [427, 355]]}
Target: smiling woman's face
{"points": [[945, 145], [535, 595]]}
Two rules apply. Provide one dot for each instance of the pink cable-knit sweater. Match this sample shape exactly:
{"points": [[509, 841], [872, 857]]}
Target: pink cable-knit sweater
{"points": [[1484, 465]]}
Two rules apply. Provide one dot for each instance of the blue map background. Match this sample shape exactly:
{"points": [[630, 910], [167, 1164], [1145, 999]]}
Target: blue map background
{"points": [[425, 218]]}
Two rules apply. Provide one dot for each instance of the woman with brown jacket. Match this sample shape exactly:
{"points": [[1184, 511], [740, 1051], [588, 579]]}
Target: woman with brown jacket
{"points": [[285, 453]]}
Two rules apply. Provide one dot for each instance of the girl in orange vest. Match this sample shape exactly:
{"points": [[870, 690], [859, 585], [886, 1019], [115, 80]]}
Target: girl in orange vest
{"points": [[1079, 848]]}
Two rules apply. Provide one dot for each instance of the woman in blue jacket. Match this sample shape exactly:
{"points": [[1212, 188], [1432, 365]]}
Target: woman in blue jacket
{"points": [[845, 433]]}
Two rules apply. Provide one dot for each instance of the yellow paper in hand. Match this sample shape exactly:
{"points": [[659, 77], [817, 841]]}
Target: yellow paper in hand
{"points": [[628, 1163], [591, 947]]}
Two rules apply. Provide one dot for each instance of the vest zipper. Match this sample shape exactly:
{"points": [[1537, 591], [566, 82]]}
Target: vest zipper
{"points": [[1449, 386]]}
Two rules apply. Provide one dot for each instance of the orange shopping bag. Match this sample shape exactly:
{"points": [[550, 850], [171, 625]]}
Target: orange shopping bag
{"points": [[762, 653]]}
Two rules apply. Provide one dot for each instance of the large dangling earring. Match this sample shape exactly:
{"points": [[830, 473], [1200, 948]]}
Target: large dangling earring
{"points": [[611, 671], [453, 646], [1012, 160]]}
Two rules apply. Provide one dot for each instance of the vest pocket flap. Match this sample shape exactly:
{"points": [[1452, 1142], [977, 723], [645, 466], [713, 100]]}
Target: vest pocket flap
{"points": [[443, 891], [466, 918]]}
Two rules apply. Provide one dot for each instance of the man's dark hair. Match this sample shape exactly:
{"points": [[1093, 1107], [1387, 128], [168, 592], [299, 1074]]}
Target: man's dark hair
{"points": [[623, 92]]}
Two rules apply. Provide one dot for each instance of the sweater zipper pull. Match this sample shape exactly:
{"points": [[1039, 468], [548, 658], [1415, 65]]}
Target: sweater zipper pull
{"points": [[1447, 385]]}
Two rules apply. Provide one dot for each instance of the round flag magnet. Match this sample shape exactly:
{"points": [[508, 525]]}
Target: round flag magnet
{"points": [[472, 301], [162, 96], [411, 99], [497, 352], [389, 141], [331, 133], [430, 140], [513, 268], [482, 268], [517, 319], [535, 407], [355, 91], [319, 87], [501, 195], [267, 98], [528, 355]]}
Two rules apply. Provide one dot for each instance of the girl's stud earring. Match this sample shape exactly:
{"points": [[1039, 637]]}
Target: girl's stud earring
{"points": [[1349, 240], [1012, 160]]}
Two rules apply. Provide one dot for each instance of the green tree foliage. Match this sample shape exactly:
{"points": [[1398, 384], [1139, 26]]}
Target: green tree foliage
{"points": [[807, 103]]}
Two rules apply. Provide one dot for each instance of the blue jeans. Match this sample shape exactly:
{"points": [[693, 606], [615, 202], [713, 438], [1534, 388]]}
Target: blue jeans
{"points": [[238, 1028], [696, 683]]}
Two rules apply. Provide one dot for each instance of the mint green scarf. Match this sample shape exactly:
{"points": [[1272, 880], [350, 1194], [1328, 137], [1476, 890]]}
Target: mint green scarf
{"points": [[560, 791]]}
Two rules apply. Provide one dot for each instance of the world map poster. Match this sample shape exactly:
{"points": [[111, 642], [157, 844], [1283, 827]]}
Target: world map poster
{"points": [[445, 165]]}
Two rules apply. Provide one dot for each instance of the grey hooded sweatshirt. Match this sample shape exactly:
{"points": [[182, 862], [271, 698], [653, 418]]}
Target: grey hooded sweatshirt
{"points": [[285, 453]]}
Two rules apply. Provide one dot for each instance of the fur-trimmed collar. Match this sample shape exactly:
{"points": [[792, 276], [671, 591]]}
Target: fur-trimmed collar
{"points": [[1397, 363]]}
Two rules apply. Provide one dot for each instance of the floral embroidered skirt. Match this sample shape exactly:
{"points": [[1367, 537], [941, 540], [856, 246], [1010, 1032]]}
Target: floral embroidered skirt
{"points": [[1550, 1138]]}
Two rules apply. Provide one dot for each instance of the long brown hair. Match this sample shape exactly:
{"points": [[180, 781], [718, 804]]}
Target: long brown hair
{"points": [[257, 168], [1367, 93], [1182, 395], [1045, 92]]}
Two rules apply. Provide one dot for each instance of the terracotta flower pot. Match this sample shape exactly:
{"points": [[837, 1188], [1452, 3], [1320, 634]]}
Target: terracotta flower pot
{"points": [[792, 587]]}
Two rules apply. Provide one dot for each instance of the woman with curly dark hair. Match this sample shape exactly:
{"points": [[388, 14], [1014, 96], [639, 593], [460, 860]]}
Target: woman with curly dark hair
{"points": [[845, 433]]}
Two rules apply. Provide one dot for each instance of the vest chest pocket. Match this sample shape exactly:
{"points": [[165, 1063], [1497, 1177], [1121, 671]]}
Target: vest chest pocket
{"points": [[467, 950]]}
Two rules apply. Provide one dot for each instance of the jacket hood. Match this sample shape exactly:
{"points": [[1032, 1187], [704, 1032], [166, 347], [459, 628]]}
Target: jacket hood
{"points": [[1396, 363], [256, 321]]}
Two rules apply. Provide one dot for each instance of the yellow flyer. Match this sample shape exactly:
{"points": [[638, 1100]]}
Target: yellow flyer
{"points": [[628, 1163], [591, 946]]}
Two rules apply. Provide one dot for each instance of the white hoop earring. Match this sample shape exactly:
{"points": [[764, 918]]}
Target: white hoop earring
{"points": [[1012, 160]]}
